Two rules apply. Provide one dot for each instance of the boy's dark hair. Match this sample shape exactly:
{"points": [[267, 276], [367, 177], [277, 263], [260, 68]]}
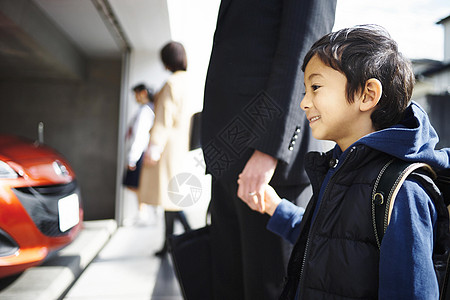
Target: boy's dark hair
{"points": [[174, 57], [365, 52], [142, 87]]}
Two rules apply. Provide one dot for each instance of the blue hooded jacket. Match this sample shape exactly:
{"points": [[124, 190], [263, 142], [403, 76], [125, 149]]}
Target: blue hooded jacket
{"points": [[404, 273]]}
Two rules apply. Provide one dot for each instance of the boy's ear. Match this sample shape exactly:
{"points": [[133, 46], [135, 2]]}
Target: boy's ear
{"points": [[371, 94]]}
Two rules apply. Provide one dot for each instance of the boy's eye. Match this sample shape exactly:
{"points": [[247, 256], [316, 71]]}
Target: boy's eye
{"points": [[315, 87]]}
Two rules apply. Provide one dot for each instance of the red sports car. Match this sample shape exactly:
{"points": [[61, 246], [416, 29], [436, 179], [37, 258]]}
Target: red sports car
{"points": [[40, 204]]}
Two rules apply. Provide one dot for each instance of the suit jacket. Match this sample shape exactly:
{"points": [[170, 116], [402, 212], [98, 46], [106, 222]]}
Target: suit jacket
{"points": [[255, 84]]}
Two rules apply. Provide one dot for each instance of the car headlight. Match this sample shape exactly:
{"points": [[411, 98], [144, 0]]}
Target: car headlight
{"points": [[6, 172]]}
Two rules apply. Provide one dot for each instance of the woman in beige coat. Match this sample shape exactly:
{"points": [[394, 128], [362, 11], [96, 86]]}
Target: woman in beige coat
{"points": [[169, 138]]}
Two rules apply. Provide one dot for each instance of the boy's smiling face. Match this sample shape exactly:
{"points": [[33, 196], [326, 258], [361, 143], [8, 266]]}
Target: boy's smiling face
{"points": [[330, 115]]}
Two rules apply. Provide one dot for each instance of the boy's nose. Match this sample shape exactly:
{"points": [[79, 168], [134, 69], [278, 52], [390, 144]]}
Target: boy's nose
{"points": [[305, 103]]}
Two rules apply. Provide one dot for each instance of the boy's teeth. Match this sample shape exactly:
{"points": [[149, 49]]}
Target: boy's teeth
{"points": [[314, 119]]}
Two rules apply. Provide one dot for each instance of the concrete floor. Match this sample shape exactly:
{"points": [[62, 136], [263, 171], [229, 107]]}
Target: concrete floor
{"points": [[127, 269]]}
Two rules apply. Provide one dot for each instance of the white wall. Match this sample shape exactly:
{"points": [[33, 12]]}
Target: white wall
{"points": [[446, 40], [145, 67], [192, 23]]}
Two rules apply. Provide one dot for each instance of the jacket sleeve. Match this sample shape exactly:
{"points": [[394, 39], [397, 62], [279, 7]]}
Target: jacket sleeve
{"points": [[165, 110], [406, 265], [285, 221], [303, 22]]}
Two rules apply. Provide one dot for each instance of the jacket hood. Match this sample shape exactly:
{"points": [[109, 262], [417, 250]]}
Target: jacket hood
{"points": [[413, 139]]}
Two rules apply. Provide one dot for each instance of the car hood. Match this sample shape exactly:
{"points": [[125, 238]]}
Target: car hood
{"points": [[34, 161]]}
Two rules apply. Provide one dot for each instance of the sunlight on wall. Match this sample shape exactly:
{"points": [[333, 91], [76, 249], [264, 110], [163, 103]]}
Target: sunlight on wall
{"points": [[412, 23], [193, 23]]}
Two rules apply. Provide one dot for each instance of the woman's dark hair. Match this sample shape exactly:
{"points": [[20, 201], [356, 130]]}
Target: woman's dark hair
{"points": [[142, 87], [174, 57], [365, 52]]}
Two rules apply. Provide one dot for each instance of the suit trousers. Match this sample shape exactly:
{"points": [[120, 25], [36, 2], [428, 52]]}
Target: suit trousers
{"points": [[249, 261]]}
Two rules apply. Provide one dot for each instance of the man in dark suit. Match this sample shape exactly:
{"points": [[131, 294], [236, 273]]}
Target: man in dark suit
{"points": [[253, 128]]}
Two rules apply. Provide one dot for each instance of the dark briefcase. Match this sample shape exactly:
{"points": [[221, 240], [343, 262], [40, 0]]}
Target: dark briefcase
{"points": [[191, 256], [194, 131]]}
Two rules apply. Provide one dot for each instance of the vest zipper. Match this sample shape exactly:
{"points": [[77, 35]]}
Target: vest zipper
{"points": [[318, 211]]}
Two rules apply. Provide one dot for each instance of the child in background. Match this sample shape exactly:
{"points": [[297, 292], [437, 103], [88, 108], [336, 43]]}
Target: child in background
{"points": [[137, 138], [358, 90]]}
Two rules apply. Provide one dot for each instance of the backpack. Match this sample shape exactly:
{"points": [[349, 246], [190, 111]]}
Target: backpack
{"points": [[437, 185]]}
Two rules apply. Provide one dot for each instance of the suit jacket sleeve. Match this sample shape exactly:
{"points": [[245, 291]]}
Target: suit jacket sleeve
{"points": [[303, 22]]}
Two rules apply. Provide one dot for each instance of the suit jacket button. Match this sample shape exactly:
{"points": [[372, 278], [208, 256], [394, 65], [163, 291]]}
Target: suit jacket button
{"points": [[291, 148]]}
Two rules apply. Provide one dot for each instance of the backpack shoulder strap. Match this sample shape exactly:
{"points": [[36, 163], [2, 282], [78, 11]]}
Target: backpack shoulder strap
{"points": [[386, 187], [443, 183]]}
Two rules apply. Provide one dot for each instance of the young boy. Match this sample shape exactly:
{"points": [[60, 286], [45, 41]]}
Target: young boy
{"points": [[358, 87]]}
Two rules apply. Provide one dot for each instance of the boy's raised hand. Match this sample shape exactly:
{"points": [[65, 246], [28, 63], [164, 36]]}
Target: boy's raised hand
{"points": [[271, 199], [257, 173]]}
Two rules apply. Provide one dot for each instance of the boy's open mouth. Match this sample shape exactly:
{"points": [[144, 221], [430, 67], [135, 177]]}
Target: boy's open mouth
{"points": [[313, 119]]}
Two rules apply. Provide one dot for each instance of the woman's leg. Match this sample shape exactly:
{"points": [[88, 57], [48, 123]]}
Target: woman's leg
{"points": [[182, 218], [169, 218]]}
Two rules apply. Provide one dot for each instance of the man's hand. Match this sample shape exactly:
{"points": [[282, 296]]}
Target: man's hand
{"points": [[252, 181]]}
